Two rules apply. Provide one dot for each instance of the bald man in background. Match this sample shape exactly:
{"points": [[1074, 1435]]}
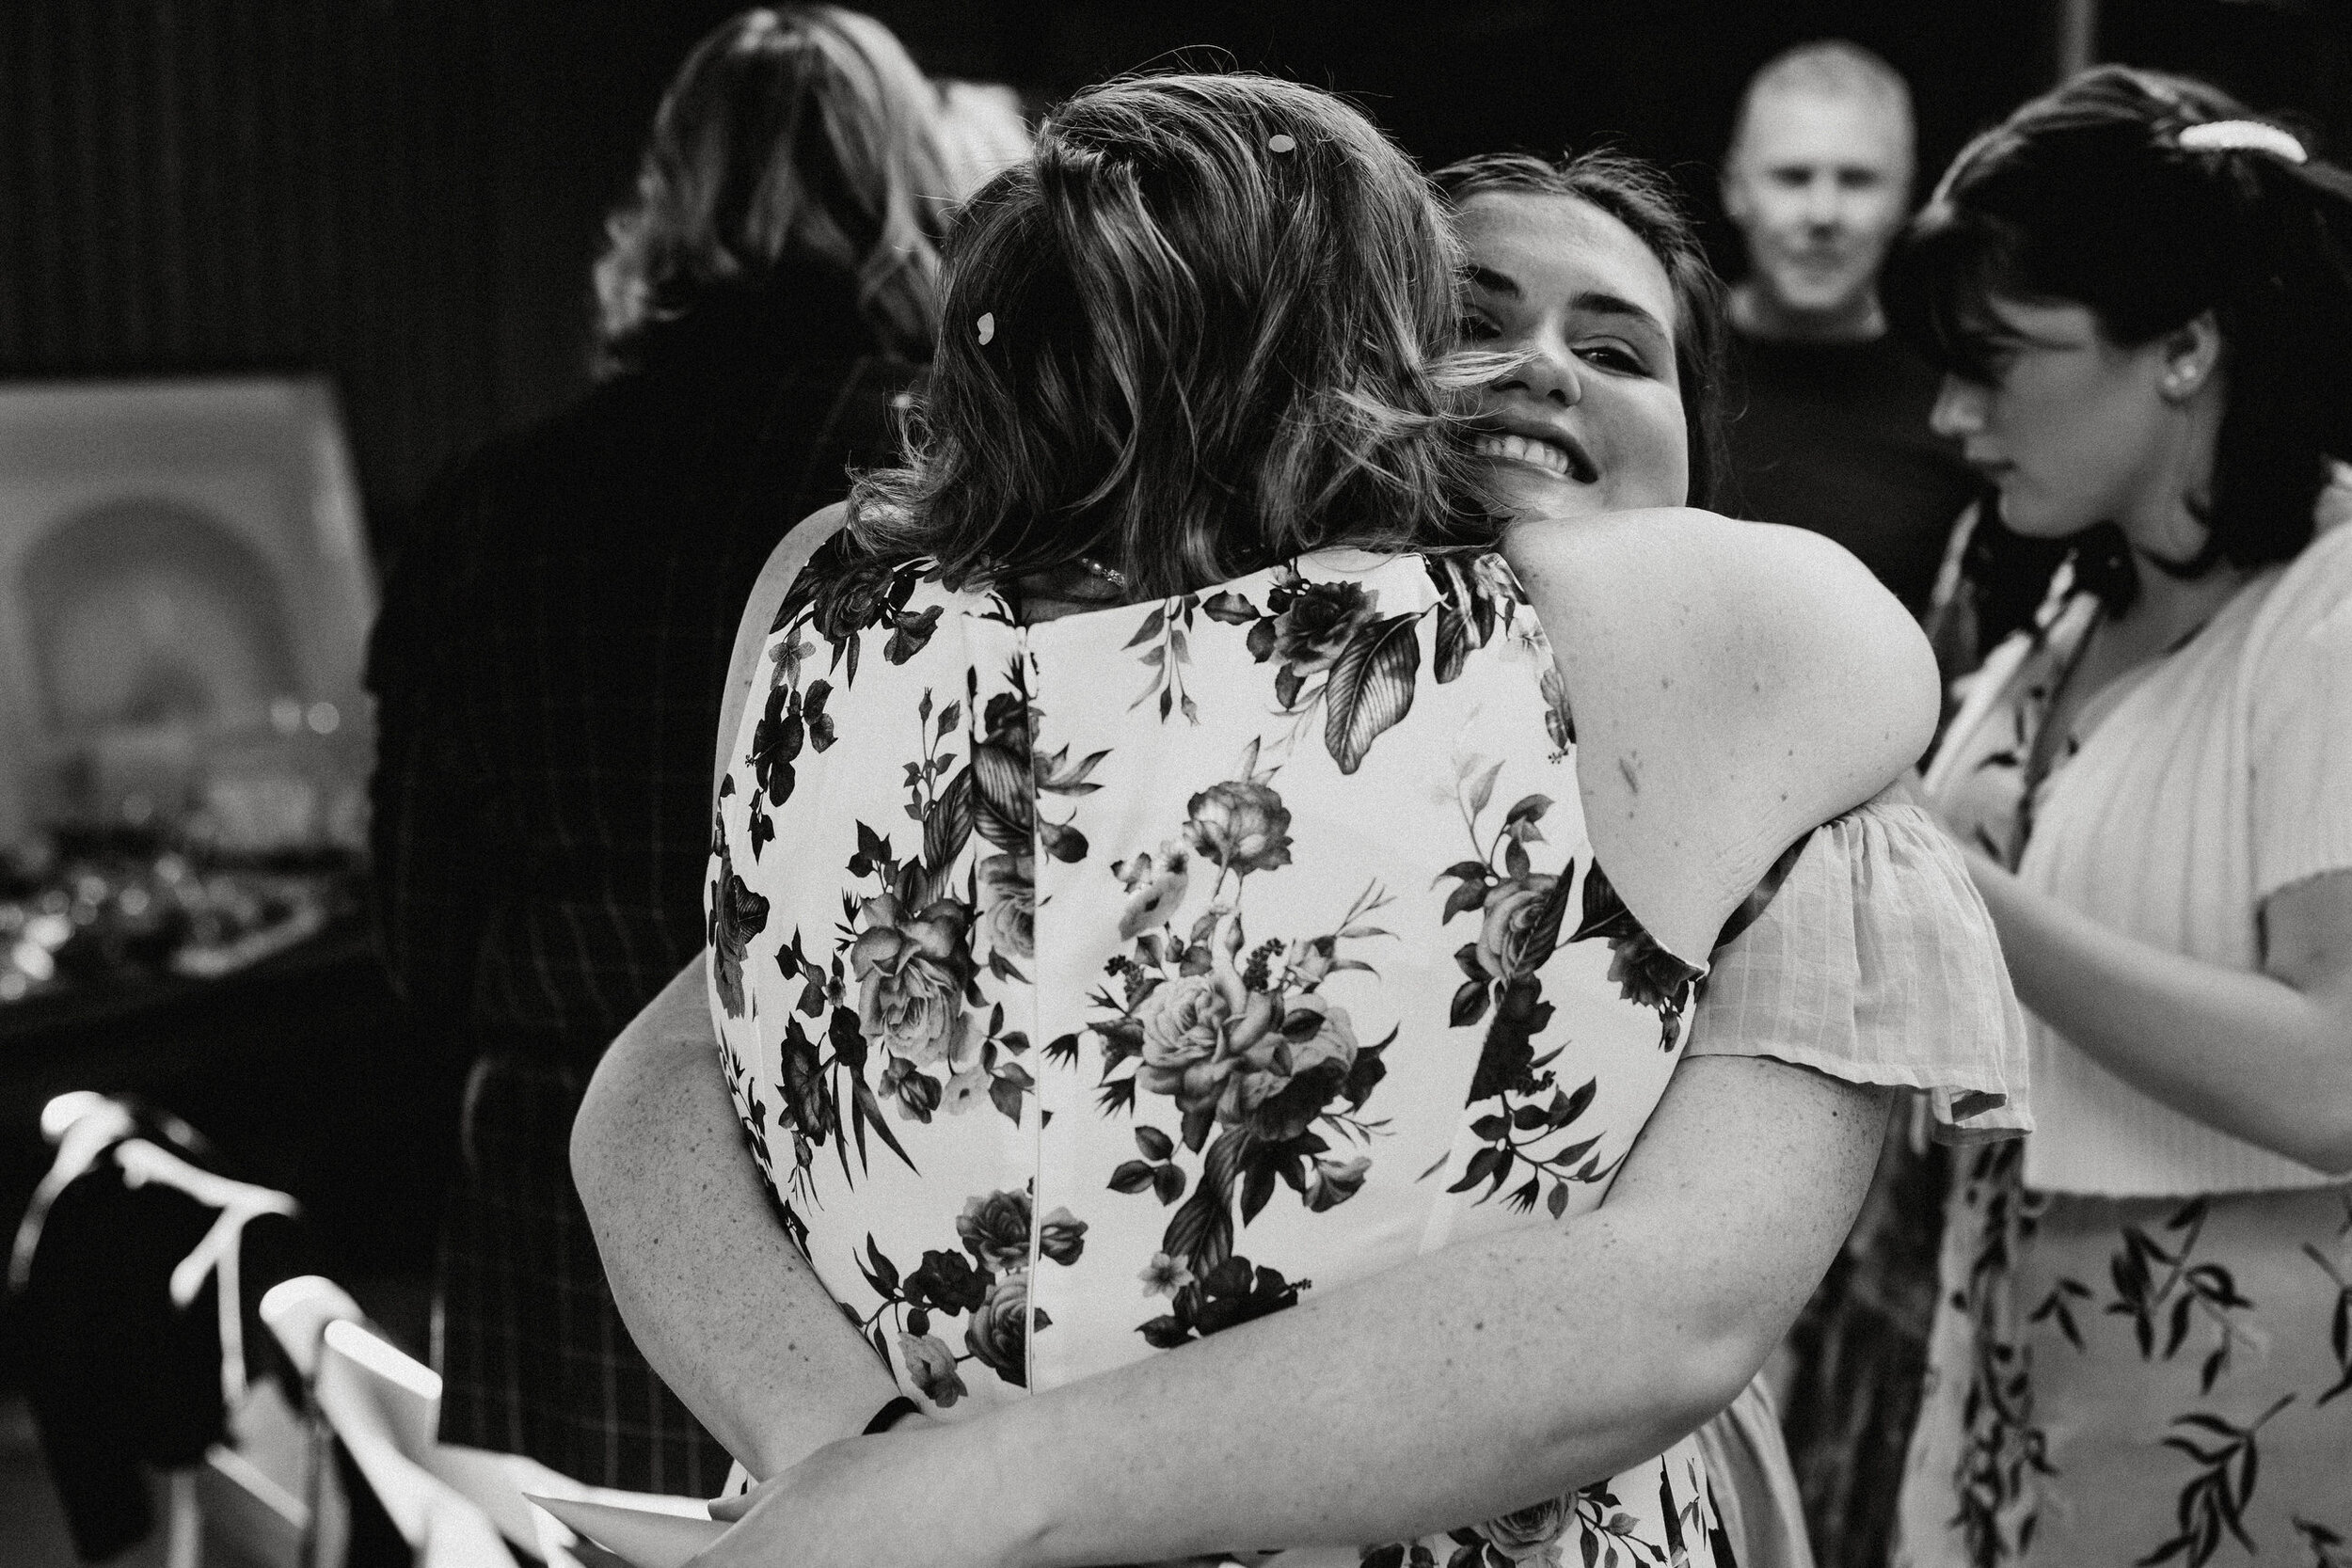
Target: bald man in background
{"points": [[1830, 427]]}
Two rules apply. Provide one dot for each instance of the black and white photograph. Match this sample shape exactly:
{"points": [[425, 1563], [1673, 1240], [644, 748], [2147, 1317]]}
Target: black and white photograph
{"points": [[1045, 783]]}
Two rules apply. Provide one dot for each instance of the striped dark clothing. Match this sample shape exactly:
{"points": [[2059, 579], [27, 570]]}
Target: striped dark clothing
{"points": [[548, 668]]}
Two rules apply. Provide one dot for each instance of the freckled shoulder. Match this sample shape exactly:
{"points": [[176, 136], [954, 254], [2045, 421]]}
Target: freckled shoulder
{"points": [[759, 610], [1734, 683]]}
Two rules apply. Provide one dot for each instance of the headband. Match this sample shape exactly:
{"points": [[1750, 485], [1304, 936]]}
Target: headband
{"points": [[2242, 136]]}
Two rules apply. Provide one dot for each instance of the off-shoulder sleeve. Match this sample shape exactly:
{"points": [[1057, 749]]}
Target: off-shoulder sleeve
{"points": [[1876, 962]]}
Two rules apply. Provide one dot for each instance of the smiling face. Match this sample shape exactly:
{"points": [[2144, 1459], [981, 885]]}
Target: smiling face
{"points": [[1592, 421], [1817, 186], [2073, 428]]}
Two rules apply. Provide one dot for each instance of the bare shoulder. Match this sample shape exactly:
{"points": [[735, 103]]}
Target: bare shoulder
{"points": [[759, 613], [1733, 685]]}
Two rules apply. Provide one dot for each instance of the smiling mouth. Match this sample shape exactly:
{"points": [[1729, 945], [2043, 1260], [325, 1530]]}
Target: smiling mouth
{"points": [[1546, 455]]}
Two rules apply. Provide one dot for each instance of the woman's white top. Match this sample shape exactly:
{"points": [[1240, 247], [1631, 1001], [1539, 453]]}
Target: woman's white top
{"points": [[2219, 775]]}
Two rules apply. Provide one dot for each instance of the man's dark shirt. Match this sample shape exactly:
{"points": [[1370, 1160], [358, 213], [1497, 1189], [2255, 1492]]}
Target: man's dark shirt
{"points": [[1835, 438], [550, 663]]}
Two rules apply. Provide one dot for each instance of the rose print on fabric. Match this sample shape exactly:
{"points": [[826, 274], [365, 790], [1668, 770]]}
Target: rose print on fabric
{"points": [[989, 1291], [906, 1021], [844, 593], [737, 915], [1606, 1533], [1260, 1067]]}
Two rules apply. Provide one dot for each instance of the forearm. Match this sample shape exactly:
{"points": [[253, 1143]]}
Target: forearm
{"points": [[1471, 1382], [714, 1293], [2244, 1053], [1424, 1382]]}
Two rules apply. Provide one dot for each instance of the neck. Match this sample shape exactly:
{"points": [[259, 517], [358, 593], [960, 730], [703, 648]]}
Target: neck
{"points": [[2167, 609], [1756, 314], [2162, 525]]}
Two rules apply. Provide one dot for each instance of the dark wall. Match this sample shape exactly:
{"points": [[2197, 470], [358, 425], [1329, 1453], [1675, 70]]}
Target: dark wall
{"points": [[406, 194]]}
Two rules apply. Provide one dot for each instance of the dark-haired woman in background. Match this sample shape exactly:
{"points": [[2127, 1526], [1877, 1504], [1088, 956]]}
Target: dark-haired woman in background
{"points": [[553, 650], [2143, 300]]}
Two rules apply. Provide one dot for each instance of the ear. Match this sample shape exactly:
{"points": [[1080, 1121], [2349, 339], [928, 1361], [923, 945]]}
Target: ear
{"points": [[2191, 354], [1735, 190]]}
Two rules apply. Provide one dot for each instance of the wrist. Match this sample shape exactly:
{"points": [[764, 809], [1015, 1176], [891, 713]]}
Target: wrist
{"points": [[1004, 1485]]}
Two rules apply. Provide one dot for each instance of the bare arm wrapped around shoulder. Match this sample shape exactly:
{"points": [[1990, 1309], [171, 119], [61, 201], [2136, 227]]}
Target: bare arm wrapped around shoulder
{"points": [[1531, 1362], [1733, 685]]}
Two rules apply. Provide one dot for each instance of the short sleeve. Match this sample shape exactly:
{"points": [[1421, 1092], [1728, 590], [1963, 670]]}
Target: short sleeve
{"points": [[1876, 962], [2301, 747]]}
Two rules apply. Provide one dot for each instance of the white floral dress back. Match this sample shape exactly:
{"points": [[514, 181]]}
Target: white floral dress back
{"points": [[1091, 987]]}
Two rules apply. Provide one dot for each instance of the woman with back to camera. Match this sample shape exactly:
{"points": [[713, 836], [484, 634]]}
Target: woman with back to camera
{"points": [[1195, 916], [2143, 300], [556, 638]]}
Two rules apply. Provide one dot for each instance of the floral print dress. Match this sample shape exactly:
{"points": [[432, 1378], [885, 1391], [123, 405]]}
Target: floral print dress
{"points": [[1089, 987]]}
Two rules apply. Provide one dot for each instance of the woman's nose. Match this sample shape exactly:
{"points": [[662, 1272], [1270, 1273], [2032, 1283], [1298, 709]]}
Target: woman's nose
{"points": [[1959, 409], [1547, 374]]}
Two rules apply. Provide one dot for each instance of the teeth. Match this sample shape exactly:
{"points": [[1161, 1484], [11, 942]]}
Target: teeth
{"points": [[1521, 449]]}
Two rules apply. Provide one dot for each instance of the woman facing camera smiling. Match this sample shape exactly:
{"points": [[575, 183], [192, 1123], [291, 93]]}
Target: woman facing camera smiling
{"points": [[1161, 965], [1587, 272]]}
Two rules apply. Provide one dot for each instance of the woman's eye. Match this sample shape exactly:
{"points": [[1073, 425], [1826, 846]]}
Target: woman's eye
{"points": [[1478, 329], [1615, 356]]}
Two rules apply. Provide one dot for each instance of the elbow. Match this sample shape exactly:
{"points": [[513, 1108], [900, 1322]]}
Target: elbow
{"points": [[2336, 1160], [2319, 1132], [1688, 1379], [594, 1147], [2330, 1153], [1712, 1372], [586, 1152]]}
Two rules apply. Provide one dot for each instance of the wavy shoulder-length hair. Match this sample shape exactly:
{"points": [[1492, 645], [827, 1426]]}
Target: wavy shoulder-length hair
{"points": [[1206, 326], [792, 134], [1640, 195]]}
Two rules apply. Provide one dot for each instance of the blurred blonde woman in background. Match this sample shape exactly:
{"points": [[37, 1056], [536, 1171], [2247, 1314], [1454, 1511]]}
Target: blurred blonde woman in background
{"points": [[552, 648]]}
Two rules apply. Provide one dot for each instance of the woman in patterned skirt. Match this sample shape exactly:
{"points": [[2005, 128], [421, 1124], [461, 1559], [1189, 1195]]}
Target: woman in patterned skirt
{"points": [[1161, 960], [2143, 300]]}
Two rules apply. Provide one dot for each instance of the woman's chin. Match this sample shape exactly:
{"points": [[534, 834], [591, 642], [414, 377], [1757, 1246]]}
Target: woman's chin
{"points": [[2023, 516]]}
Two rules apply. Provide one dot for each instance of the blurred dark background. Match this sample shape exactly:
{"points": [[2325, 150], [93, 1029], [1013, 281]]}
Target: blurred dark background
{"points": [[406, 195]]}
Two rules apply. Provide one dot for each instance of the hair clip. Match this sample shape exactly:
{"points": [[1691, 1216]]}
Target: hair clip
{"points": [[1278, 142], [988, 327], [2242, 136]]}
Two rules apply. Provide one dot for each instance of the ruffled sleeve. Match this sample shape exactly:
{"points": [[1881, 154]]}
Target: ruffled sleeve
{"points": [[1876, 962]]}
